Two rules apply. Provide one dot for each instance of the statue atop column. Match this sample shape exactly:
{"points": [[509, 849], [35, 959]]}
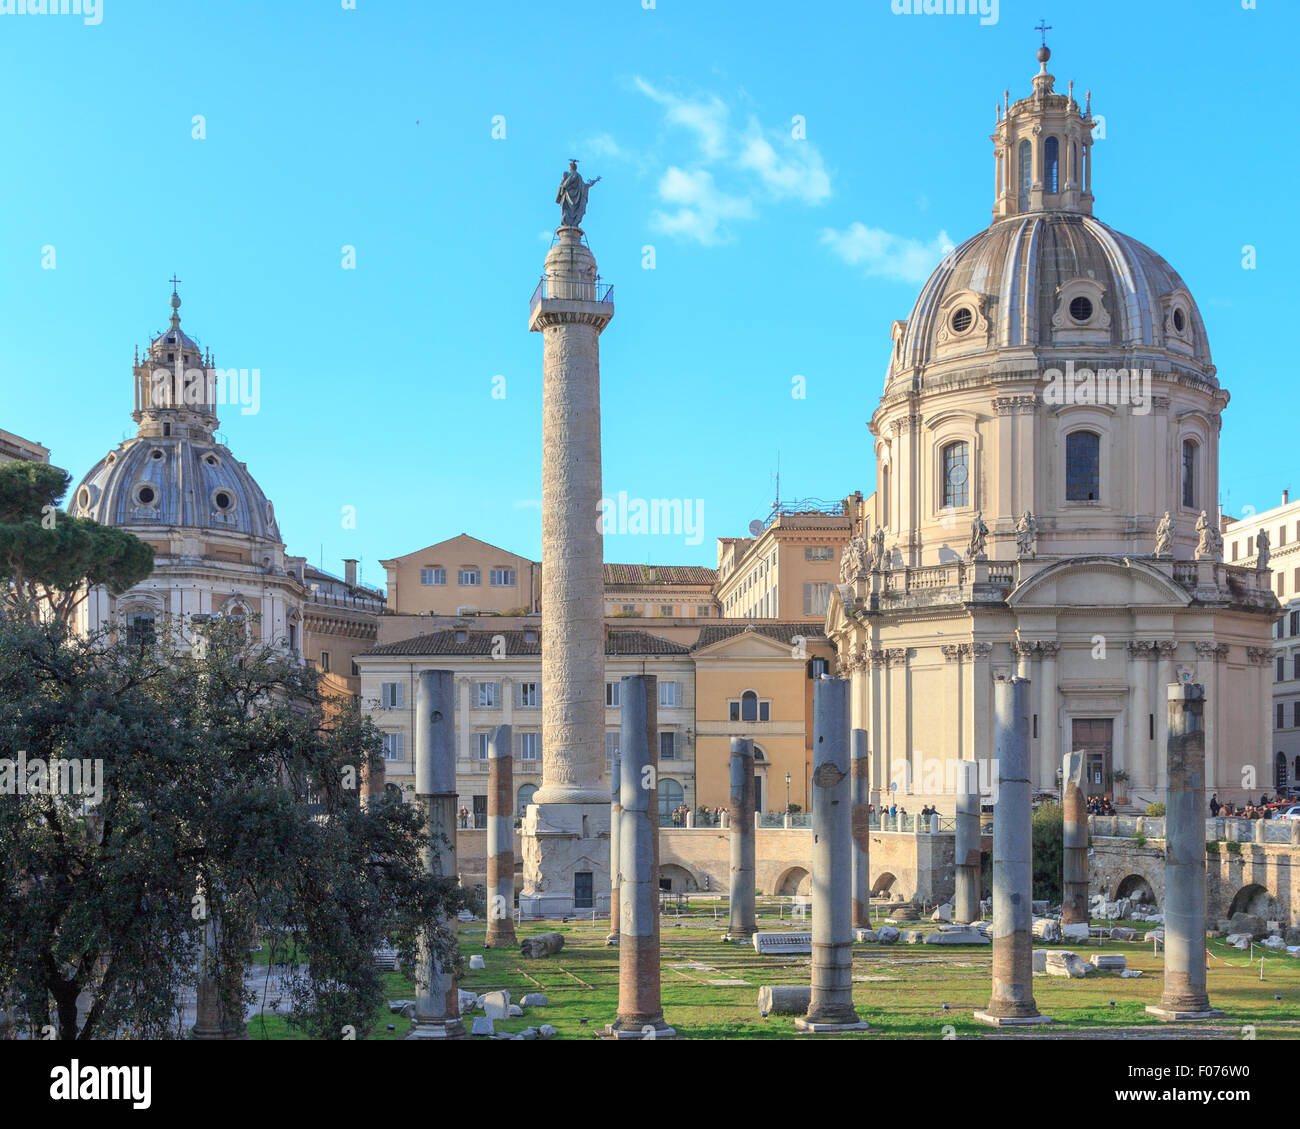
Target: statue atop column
{"points": [[572, 196], [979, 535], [1165, 536]]}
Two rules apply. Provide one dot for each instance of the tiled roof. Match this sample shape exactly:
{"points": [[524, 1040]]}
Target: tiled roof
{"points": [[480, 643], [782, 631], [663, 574]]}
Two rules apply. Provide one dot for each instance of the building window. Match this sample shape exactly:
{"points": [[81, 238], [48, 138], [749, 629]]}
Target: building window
{"points": [[613, 691], [628, 609], [817, 553], [1295, 665], [815, 598], [702, 611], [667, 746], [670, 694], [502, 578], [140, 629], [325, 662], [1281, 716], [394, 744], [468, 577], [1082, 466], [1026, 162], [665, 609], [433, 576], [1295, 714], [749, 706], [611, 744], [485, 695], [1295, 623], [293, 638], [818, 667], [1051, 164], [733, 711], [528, 694], [526, 793], [764, 711], [956, 475], [530, 746], [1189, 474], [481, 746], [1235, 548], [392, 695], [1281, 669]]}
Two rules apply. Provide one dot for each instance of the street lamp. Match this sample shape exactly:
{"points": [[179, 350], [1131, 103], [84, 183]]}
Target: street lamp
{"points": [[787, 792]]}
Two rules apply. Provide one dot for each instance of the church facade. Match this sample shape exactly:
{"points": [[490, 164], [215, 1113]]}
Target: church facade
{"points": [[1046, 454]]}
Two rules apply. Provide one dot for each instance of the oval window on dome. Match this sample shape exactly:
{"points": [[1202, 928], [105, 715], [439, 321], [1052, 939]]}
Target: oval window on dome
{"points": [[1081, 308], [211, 460], [155, 454], [83, 498], [223, 501], [1180, 321], [961, 319], [145, 494]]}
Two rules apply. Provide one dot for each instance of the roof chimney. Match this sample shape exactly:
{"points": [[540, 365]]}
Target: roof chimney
{"points": [[350, 571], [1286, 496]]}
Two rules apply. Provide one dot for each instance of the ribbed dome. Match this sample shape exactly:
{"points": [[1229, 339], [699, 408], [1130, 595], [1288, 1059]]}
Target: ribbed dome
{"points": [[1023, 280], [171, 482]]}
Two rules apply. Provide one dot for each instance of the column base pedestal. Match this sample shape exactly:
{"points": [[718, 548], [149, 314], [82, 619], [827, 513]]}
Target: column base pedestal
{"points": [[743, 938], [807, 1026], [1171, 1015], [560, 842], [1012, 1020], [451, 1029], [650, 1031]]}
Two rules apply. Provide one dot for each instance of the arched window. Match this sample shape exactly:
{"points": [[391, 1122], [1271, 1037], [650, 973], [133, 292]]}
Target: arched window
{"points": [[956, 474], [1051, 164], [525, 798], [1025, 157], [1189, 473], [1074, 163], [670, 797], [1082, 466], [140, 628], [749, 706]]}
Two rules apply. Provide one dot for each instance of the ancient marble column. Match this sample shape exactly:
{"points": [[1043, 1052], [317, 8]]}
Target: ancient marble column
{"points": [[640, 1010], [742, 922], [1048, 714], [1074, 889], [1185, 995], [1166, 651], [1139, 766], [615, 819], [969, 845], [565, 828], [861, 824], [211, 1019], [437, 1007], [500, 839], [831, 1008], [1012, 1002]]}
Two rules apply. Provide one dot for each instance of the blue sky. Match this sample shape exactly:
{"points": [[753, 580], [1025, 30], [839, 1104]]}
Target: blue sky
{"points": [[773, 257]]}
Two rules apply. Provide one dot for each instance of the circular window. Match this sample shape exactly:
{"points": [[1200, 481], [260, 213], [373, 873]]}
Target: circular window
{"points": [[223, 501], [957, 474], [145, 495], [211, 460], [961, 319], [155, 454], [1081, 308], [1180, 322], [83, 498]]}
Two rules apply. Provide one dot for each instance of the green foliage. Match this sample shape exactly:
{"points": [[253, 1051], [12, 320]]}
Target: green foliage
{"points": [[230, 808], [1156, 811], [1139, 840], [1049, 851], [1211, 848], [47, 557], [1234, 848]]}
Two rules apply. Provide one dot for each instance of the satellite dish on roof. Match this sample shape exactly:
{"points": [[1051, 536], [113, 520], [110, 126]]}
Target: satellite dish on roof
{"points": [[755, 528]]}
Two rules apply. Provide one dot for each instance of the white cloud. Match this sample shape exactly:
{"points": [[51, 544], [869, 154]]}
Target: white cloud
{"points": [[797, 172], [887, 255], [706, 118], [702, 209]]}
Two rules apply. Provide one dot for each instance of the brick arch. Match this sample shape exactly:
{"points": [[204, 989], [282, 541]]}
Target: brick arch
{"points": [[1132, 884], [683, 881], [883, 884], [1253, 898], [793, 880]]}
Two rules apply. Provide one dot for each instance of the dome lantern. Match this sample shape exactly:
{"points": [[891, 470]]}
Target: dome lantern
{"points": [[175, 392], [1042, 151]]}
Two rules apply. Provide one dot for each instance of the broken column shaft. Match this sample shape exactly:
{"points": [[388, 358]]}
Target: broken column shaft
{"points": [[861, 829], [831, 1007], [969, 845], [742, 922], [1185, 995], [1074, 867], [500, 839], [437, 1007], [1012, 1002], [640, 1012]]}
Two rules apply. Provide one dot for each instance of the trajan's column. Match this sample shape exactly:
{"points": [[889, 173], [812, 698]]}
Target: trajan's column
{"points": [[565, 837]]}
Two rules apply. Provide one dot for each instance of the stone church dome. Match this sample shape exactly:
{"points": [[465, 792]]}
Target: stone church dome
{"points": [[174, 473], [1049, 280]]}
